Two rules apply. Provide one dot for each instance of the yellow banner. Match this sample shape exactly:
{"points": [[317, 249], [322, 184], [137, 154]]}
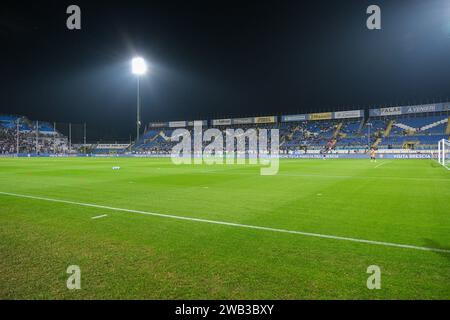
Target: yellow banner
{"points": [[321, 116], [265, 119]]}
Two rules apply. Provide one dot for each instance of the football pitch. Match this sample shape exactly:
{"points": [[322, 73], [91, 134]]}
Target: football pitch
{"points": [[153, 230]]}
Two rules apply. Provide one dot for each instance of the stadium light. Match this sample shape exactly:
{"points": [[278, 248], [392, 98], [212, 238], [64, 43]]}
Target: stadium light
{"points": [[138, 68]]}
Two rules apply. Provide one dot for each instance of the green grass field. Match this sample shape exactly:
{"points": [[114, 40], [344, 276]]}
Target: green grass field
{"points": [[138, 256]]}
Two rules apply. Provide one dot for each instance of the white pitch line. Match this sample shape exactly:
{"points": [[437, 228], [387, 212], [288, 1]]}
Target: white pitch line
{"points": [[379, 165], [282, 174], [309, 234], [99, 217]]}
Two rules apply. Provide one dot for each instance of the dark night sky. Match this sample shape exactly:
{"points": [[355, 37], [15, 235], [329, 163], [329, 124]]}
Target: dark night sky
{"points": [[218, 58]]}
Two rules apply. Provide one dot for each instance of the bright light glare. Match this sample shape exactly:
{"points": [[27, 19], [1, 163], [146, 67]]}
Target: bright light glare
{"points": [[138, 66]]}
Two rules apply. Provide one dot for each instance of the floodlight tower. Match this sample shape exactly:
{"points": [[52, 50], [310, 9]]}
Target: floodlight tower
{"points": [[139, 68]]}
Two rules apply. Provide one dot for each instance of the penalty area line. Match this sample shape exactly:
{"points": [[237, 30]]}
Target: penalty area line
{"points": [[231, 224]]}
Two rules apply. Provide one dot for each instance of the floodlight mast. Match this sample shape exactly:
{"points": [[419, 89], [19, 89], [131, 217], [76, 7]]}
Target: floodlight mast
{"points": [[138, 68], [138, 111]]}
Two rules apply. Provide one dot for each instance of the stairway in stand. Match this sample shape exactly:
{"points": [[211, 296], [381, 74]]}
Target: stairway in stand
{"points": [[387, 132]]}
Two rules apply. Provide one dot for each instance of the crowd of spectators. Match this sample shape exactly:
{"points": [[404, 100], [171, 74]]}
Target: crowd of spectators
{"points": [[27, 142]]}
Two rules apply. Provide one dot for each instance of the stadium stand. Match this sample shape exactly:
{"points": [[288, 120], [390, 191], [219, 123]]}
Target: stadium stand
{"points": [[417, 132], [111, 149], [388, 132], [398, 128], [47, 138], [155, 141]]}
